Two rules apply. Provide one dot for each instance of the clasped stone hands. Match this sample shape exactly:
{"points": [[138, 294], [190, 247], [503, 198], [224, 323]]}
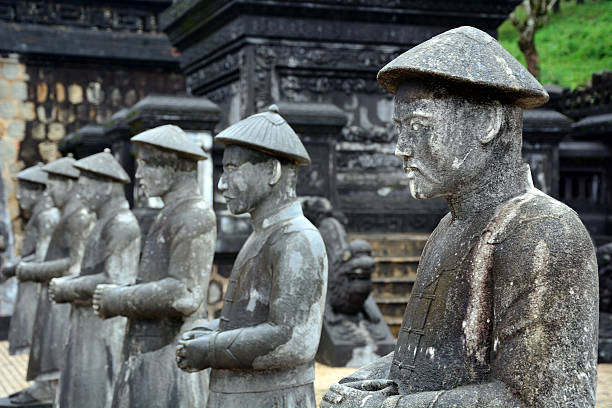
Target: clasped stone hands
{"points": [[100, 301], [360, 394], [192, 350]]}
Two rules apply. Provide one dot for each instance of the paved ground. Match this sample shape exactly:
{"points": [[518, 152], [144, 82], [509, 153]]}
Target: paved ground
{"points": [[13, 368]]}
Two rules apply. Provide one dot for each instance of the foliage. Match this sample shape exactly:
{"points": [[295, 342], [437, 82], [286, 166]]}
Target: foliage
{"points": [[573, 44]]}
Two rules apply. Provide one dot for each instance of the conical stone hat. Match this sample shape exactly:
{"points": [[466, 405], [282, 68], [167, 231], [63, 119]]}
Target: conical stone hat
{"points": [[173, 139], [33, 174], [62, 167], [103, 164], [466, 56], [267, 132]]}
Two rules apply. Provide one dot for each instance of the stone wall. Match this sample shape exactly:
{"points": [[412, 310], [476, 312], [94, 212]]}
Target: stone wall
{"points": [[42, 101], [15, 111]]}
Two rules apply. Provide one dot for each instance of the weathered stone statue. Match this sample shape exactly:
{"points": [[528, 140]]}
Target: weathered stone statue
{"points": [[504, 308], [262, 348], [38, 208], [93, 353], [170, 290], [63, 258], [354, 331]]}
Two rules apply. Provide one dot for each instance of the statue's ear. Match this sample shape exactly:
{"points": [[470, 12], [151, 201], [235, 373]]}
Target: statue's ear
{"points": [[494, 118], [277, 171]]}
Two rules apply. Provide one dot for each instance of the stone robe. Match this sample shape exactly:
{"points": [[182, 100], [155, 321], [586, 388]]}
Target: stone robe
{"points": [[503, 313], [51, 325], [177, 258], [263, 352], [37, 233], [93, 353]]}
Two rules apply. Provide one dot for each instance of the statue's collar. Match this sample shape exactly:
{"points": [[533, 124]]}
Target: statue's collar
{"points": [[112, 205], [490, 194], [286, 212]]}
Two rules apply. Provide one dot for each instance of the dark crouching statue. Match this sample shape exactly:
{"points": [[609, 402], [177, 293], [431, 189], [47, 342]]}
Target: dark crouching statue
{"points": [[262, 348], [354, 332], [63, 258], [93, 353], [38, 208], [172, 280], [503, 312]]}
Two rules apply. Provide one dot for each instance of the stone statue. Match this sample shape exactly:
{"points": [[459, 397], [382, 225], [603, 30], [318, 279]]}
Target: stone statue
{"points": [[261, 350], [354, 331], [170, 290], [37, 207], [504, 308], [93, 353], [63, 258]]}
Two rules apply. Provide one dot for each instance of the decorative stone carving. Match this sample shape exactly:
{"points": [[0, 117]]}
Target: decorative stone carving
{"points": [[172, 282], [63, 258], [38, 208], [93, 352], [504, 308], [261, 350], [354, 332]]}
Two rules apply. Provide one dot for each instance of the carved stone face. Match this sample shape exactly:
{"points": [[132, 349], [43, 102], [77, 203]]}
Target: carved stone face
{"points": [[438, 141], [154, 176], [93, 191], [28, 195], [58, 188], [245, 179]]}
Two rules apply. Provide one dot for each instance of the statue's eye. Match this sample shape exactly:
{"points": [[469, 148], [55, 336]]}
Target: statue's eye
{"points": [[416, 126]]}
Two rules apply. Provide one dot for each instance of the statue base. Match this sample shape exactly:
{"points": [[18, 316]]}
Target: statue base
{"points": [[354, 340]]}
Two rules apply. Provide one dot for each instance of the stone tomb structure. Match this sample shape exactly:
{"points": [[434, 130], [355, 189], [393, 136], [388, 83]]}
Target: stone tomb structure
{"points": [[504, 307]]}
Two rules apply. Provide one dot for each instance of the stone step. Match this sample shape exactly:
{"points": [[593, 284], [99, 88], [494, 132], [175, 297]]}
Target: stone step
{"points": [[395, 324], [391, 287], [392, 307], [396, 266], [385, 245]]}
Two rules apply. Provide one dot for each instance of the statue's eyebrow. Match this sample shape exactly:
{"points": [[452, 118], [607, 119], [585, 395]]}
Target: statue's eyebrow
{"points": [[418, 113]]}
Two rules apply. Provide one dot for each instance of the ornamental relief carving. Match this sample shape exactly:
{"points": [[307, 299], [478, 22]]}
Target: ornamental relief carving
{"points": [[81, 15]]}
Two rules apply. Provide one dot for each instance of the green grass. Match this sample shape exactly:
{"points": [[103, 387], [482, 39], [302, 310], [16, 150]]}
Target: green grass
{"points": [[572, 45]]}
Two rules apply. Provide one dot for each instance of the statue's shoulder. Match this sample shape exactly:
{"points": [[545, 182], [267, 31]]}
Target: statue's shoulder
{"points": [[192, 214], [299, 232], [48, 218], [124, 222], [81, 218], [538, 220]]}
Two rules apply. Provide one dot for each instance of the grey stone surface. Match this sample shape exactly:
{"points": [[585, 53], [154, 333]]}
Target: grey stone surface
{"points": [[354, 332], [38, 208], [261, 350], [504, 308], [172, 282]]}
